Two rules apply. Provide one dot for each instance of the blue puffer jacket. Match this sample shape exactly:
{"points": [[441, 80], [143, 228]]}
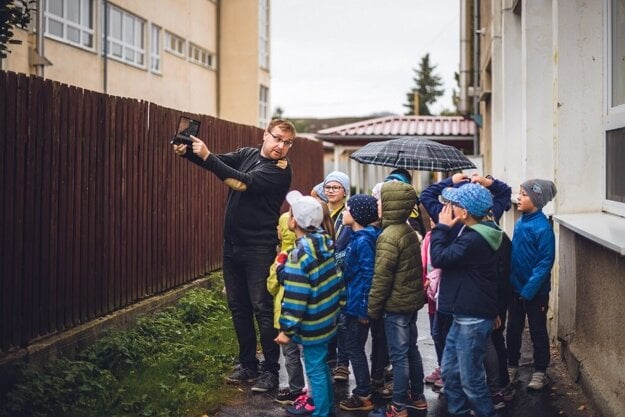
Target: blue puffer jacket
{"points": [[470, 280], [533, 253], [358, 270]]}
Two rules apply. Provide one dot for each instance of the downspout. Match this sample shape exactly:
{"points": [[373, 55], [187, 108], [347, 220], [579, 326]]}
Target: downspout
{"points": [[218, 52], [465, 47], [40, 38], [476, 74], [105, 46]]}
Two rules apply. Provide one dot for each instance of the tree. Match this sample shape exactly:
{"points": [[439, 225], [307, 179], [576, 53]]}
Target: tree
{"points": [[455, 99], [428, 87], [13, 13], [277, 113]]}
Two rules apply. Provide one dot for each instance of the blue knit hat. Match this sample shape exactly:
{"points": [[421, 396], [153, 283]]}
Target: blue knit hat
{"points": [[476, 199], [339, 177], [363, 208]]}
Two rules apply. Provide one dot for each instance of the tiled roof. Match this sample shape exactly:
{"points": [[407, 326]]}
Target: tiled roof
{"points": [[393, 126]]}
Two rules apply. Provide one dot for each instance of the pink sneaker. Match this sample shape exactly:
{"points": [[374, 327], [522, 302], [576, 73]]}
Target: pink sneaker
{"points": [[302, 406], [433, 377]]}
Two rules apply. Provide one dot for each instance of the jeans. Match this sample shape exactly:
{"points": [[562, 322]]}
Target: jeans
{"points": [[536, 312], [463, 367], [245, 277], [355, 340], [338, 342], [401, 337], [379, 350], [293, 365], [440, 328], [318, 373]]}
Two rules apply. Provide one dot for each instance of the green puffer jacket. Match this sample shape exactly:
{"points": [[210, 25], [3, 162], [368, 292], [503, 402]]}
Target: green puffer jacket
{"points": [[397, 285]]}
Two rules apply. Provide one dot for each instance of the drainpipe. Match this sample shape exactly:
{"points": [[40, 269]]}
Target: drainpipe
{"points": [[465, 47], [218, 53], [36, 57], [105, 46], [476, 73]]}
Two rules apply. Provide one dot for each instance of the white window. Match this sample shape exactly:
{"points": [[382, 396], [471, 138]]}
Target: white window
{"points": [[125, 37], [263, 33], [263, 107], [174, 44], [200, 56], [615, 126], [155, 49], [69, 21]]}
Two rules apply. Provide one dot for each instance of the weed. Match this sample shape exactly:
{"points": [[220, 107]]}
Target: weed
{"points": [[169, 364]]}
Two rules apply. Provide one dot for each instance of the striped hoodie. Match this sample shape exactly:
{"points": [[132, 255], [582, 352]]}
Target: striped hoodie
{"points": [[311, 290]]}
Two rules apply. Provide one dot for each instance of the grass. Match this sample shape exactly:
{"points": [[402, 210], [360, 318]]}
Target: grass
{"points": [[170, 364]]}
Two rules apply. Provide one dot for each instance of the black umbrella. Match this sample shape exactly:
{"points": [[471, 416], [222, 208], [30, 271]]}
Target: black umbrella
{"points": [[413, 153]]}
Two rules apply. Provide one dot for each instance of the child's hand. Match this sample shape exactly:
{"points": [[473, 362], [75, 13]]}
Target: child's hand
{"points": [[282, 339], [459, 177], [446, 216], [497, 323], [364, 320]]}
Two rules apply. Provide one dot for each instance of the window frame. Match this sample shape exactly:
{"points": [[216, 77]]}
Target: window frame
{"points": [[166, 44], [210, 57], [263, 34], [615, 115], [156, 55], [263, 106], [65, 22], [110, 41]]}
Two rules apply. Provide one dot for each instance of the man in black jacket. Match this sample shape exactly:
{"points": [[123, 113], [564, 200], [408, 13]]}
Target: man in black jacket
{"points": [[259, 180]]}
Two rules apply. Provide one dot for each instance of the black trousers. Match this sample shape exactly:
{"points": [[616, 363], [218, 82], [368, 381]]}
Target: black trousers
{"points": [[536, 312]]}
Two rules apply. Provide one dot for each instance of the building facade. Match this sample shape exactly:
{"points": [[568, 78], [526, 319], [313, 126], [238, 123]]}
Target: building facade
{"points": [[551, 95], [199, 56]]}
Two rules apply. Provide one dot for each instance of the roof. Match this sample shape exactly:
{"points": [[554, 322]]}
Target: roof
{"points": [[381, 128]]}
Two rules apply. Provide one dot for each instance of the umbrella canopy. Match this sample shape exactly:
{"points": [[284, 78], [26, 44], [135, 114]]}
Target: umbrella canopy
{"points": [[413, 153]]}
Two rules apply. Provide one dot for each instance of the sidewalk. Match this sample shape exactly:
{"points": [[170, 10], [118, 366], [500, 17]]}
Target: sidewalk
{"points": [[561, 398]]}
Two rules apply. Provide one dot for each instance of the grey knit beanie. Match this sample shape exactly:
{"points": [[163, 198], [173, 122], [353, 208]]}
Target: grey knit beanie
{"points": [[540, 191]]}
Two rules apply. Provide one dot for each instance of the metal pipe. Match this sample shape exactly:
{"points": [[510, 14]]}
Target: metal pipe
{"points": [[476, 73], [105, 46], [465, 47], [39, 68]]}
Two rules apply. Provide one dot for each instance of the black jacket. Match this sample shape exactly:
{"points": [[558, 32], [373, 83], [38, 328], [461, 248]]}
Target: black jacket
{"points": [[257, 189]]}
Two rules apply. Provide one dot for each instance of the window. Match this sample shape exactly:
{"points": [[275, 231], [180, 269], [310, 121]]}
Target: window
{"points": [[263, 107], [263, 35], [618, 53], [615, 120], [69, 21], [174, 44], [201, 56], [125, 37], [155, 49]]}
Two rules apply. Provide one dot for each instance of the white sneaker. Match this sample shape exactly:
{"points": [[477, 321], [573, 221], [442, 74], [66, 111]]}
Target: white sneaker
{"points": [[538, 381], [513, 374]]}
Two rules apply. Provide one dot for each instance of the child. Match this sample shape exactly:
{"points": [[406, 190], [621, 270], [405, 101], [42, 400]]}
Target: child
{"points": [[533, 253], [469, 293], [397, 294], [360, 212], [311, 296], [431, 281], [292, 359]]}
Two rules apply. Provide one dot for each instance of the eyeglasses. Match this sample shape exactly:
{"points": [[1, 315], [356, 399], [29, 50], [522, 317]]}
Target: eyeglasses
{"points": [[288, 142], [332, 188]]}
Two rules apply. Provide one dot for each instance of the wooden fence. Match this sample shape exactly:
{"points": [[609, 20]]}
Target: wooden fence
{"points": [[96, 211]]}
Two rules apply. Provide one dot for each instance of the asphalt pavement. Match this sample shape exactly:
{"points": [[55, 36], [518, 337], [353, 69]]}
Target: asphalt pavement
{"points": [[561, 398]]}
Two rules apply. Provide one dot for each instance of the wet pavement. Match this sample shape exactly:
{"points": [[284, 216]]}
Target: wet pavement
{"points": [[561, 398]]}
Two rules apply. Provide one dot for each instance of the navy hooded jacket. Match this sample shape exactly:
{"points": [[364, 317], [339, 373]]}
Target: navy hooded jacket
{"points": [[471, 277]]}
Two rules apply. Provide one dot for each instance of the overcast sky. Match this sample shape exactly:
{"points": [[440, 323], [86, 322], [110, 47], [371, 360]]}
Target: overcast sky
{"points": [[332, 58]]}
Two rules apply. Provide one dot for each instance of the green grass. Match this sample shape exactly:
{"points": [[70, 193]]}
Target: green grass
{"points": [[170, 364]]}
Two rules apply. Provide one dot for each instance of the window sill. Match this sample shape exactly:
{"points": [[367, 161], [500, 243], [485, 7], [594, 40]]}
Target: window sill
{"points": [[605, 229]]}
